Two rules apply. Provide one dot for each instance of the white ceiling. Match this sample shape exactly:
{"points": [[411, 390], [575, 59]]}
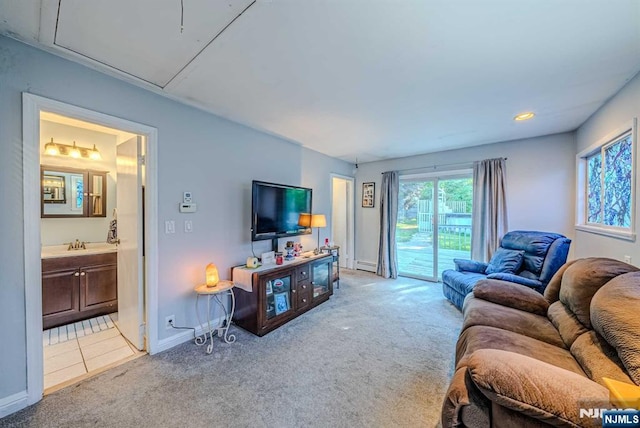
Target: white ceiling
{"points": [[365, 79]]}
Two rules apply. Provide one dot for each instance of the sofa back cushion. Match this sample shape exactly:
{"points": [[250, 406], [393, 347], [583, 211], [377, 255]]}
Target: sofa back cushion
{"points": [[535, 245], [583, 279], [565, 322], [614, 314], [552, 292]]}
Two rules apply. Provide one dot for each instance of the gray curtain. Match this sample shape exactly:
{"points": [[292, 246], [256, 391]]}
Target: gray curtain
{"points": [[387, 252], [490, 221]]}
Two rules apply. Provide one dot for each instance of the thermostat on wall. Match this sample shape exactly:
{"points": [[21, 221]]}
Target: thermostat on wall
{"points": [[187, 197], [188, 208]]}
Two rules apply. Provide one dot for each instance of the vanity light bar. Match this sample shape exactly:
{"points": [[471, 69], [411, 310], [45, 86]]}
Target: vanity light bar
{"points": [[74, 151]]}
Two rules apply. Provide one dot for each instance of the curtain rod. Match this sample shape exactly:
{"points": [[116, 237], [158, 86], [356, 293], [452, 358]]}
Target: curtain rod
{"points": [[439, 166]]}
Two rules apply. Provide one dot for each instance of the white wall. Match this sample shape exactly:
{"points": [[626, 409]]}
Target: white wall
{"points": [[623, 107], [214, 158], [540, 185], [56, 231]]}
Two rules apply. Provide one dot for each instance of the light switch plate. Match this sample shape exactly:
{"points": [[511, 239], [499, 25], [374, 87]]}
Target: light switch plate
{"points": [[169, 226], [188, 226]]}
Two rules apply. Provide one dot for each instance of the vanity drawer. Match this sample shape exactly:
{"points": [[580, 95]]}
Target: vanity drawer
{"points": [[63, 263]]}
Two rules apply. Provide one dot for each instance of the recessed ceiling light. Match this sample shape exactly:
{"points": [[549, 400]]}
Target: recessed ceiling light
{"points": [[524, 116]]}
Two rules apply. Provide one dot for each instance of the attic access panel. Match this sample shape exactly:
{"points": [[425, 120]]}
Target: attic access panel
{"points": [[143, 38]]}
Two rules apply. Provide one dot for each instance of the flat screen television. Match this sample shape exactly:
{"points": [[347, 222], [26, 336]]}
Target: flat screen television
{"points": [[275, 210]]}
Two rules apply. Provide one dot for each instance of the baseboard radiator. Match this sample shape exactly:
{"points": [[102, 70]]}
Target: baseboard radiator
{"points": [[368, 266]]}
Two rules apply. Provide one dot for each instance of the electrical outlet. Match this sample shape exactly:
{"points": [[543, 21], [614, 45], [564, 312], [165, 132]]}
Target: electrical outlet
{"points": [[627, 259], [171, 319]]}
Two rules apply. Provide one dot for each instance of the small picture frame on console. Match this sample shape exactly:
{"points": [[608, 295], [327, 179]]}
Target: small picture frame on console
{"points": [[282, 302], [368, 194]]}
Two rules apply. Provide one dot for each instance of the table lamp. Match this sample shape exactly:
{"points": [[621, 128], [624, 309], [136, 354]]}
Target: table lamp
{"points": [[212, 276], [304, 220], [318, 221]]}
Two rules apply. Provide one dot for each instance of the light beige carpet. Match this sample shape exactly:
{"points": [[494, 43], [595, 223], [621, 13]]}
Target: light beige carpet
{"points": [[379, 353]]}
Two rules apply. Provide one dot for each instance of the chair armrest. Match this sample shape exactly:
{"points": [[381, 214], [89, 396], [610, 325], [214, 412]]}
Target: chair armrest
{"points": [[463, 265], [510, 295], [535, 388], [533, 283]]}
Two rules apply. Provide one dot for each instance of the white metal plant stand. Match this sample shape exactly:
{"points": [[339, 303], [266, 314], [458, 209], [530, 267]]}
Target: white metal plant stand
{"points": [[223, 288]]}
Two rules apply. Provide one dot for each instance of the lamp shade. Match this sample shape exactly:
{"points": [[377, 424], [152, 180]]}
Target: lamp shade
{"points": [[74, 152], [212, 275], [304, 220], [51, 148], [94, 153], [318, 220]]}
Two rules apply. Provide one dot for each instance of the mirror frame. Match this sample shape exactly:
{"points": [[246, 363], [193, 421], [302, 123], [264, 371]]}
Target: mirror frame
{"points": [[87, 175]]}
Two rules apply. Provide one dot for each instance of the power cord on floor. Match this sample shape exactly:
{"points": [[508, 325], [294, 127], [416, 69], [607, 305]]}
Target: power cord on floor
{"points": [[183, 328]]}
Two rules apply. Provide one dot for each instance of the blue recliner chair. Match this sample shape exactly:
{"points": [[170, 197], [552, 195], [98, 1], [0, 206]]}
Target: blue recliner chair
{"points": [[527, 258]]}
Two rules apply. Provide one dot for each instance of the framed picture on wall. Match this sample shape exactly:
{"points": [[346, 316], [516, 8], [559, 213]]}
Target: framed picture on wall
{"points": [[368, 194]]}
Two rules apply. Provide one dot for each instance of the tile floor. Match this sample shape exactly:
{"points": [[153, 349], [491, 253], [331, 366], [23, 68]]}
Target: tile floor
{"points": [[75, 350]]}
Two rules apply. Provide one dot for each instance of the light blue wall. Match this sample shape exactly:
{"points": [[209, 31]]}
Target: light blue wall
{"points": [[618, 111], [214, 158], [540, 185]]}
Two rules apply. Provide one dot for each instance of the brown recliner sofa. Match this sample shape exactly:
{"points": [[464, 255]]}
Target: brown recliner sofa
{"points": [[530, 360]]}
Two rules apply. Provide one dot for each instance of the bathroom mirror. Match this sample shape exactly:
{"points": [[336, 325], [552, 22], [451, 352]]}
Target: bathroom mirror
{"points": [[53, 189], [71, 192]]}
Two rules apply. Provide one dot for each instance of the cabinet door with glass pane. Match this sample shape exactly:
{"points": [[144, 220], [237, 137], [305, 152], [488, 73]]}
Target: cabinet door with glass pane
{"points": [[277, 296], [321, 278]]}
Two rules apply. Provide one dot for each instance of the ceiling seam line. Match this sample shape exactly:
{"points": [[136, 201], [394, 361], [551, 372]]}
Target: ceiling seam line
{"points": [[208, 44], [109, 66], [55, 33]]}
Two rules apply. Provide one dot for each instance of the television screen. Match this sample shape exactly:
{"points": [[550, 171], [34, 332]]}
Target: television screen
{"points": [[276, 209]]}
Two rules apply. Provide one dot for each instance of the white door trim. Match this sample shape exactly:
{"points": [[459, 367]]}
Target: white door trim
{"points": [[351, 184], [32, 105]]}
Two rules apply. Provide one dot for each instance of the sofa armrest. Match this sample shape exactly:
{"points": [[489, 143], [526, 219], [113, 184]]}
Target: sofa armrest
{"points": [[463, 265], [506, 294], [535, 388], [532, 283]]}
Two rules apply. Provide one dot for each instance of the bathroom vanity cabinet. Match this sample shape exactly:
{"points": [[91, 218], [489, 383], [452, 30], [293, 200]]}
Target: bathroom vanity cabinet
{"points": [[75, 288]]}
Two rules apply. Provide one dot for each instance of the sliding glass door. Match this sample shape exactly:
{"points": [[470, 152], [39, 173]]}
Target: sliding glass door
{"points": [[434, 223]]}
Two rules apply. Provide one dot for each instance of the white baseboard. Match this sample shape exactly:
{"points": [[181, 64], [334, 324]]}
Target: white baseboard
{"points": [[368, 266], [184, 336], [13, 403]]}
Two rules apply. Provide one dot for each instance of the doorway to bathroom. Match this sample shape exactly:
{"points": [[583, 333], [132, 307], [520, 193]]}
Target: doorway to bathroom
{"points": [[87, 262], [107, 227]]}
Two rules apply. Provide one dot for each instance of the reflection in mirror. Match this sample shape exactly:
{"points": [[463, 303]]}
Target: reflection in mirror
{"points": [[63, 192], [77, 192], [53, 189]]}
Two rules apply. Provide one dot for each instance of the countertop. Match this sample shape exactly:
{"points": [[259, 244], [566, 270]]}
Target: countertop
{"points": [[54, 251]]}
